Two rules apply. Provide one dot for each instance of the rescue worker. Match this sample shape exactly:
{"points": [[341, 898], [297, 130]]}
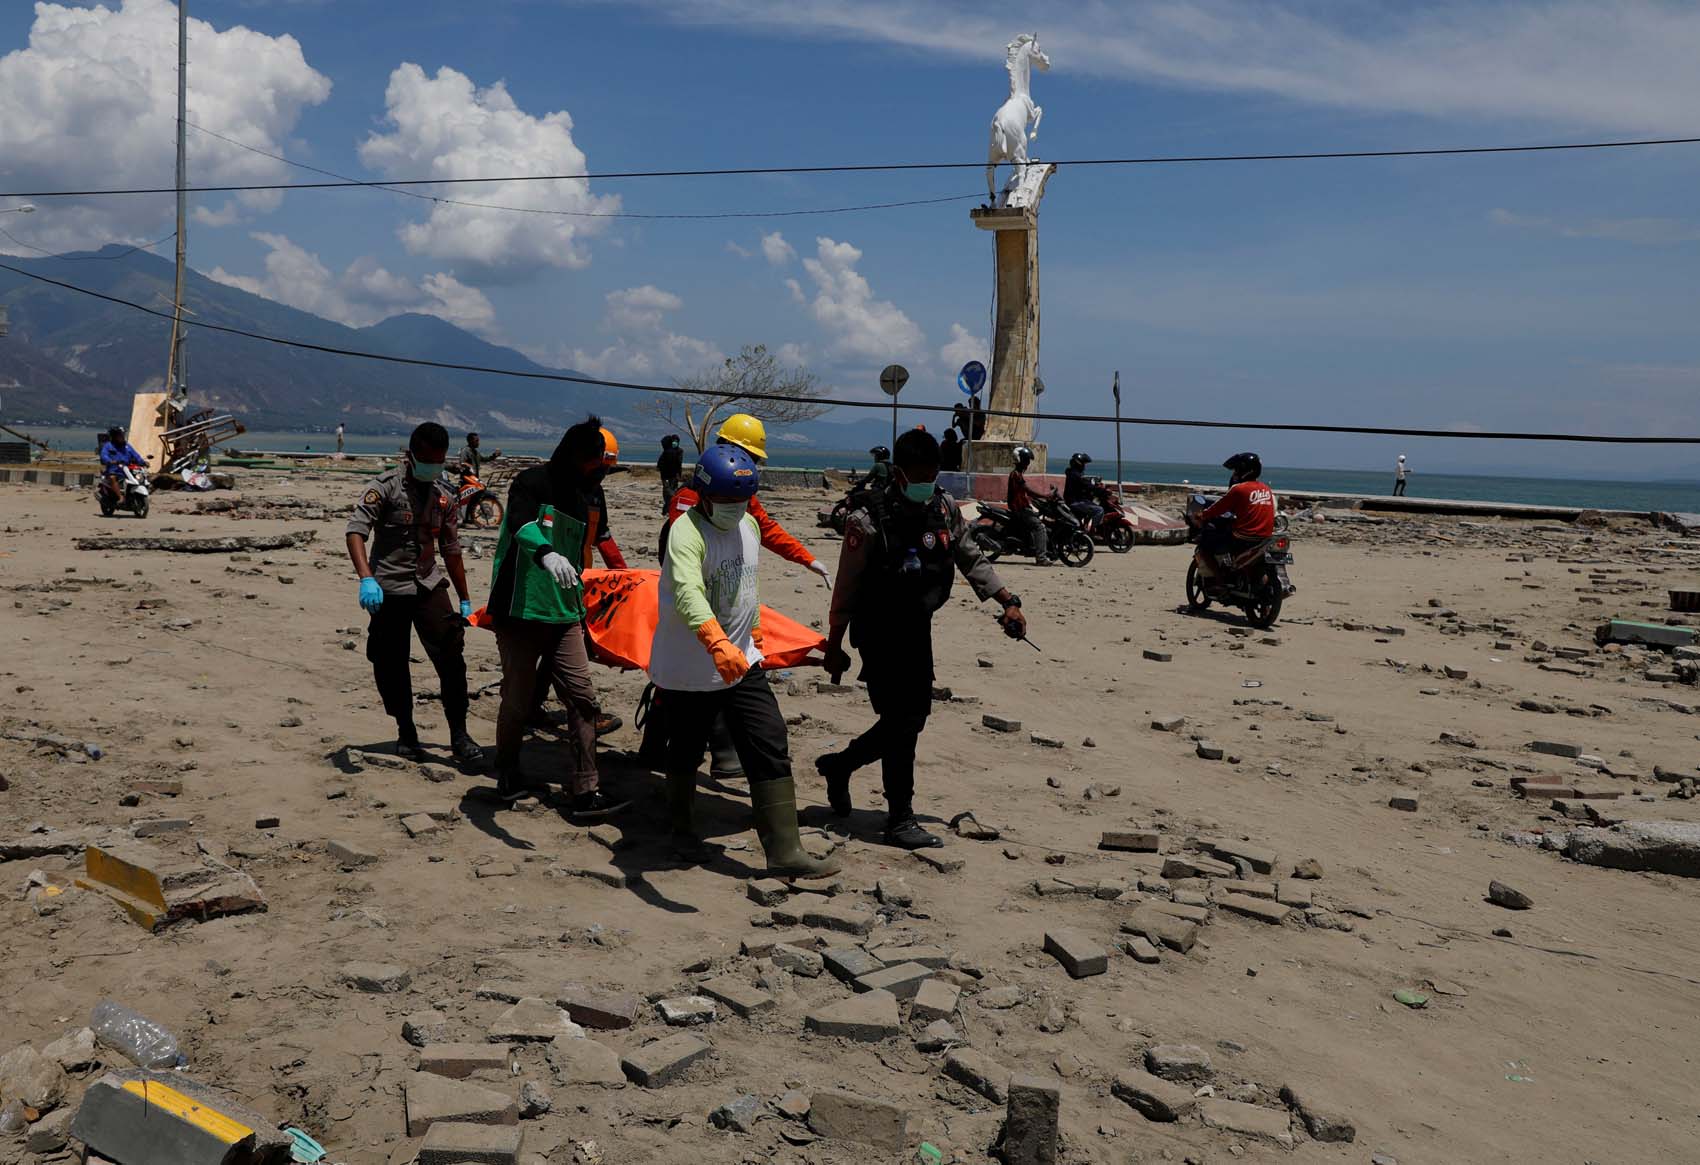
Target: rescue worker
{"points": [[1078, 492], [1020, 500], [115, 453], [705, 661], [901, 551], [1240, 519], [747, 433], [400, 526], [669, 465], [537, 611]]}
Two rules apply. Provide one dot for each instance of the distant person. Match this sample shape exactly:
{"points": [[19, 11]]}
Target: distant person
{"points": [[670, 465], [404, 520], [950, 452], [1019, 497], [340, 428], [1400, 472], [115, 453], [473, 457], [1078, 492]]}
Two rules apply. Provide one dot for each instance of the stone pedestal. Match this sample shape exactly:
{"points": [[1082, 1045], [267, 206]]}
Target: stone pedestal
{"points": [[1015, 323]]}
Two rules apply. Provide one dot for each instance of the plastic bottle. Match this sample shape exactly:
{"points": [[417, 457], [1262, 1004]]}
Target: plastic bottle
{"points": [[144, 1042]]}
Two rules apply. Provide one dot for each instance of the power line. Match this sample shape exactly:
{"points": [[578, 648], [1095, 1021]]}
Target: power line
{"points": [[675, 390], [876, 167], [400, 189], [74, 258]]}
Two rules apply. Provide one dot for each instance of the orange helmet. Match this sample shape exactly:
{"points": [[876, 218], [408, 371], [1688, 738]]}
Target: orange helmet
{"points": [[610, 448]]}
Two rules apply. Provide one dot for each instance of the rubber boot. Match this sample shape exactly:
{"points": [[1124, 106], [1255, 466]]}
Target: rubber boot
{"points": [[775, 805], [681, 804]]}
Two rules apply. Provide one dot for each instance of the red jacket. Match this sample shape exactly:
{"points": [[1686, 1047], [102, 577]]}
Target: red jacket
{"points": [[1252, 506], [1019, 495], [773, 535]]}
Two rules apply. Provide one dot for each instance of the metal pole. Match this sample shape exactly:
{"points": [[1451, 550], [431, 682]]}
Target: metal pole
{"points": [[1116, 391], [894, 420], [174, 371]]}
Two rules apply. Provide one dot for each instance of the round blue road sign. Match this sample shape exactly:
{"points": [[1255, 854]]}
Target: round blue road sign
{"points": [[972, 378]]}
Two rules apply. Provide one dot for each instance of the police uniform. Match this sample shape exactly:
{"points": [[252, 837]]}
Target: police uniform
{"points": [[896, 569], [407, 524]]}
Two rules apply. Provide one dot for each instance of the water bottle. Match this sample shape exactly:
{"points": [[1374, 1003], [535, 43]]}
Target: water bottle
{"points": [[144, 1042]]}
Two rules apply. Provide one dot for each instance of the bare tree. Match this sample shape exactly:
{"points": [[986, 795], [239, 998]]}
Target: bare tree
{"points": [[737, 385]]}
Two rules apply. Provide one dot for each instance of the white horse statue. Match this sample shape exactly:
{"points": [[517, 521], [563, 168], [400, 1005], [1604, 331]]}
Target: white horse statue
{"points": [[1009, 124]]}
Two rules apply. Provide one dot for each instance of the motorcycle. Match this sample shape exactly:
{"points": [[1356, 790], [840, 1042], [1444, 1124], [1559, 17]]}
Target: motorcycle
{"points": [[478, 506], [998, 535], [128, 488], [1255, 580], [1113, 529]]}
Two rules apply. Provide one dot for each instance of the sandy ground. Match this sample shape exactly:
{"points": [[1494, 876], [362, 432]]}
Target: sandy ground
{"points": [[1571, 1037]]}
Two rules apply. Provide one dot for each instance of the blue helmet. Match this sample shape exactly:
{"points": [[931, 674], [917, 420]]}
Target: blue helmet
{"points": [[726, 471]]}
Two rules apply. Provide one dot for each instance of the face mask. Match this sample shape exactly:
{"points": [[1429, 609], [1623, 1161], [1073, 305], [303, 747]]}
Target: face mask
{"points": [[727, 515], [424, 472], [919, 492]]}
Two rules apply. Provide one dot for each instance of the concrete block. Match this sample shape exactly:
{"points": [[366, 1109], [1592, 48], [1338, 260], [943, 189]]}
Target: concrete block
{"points": [[850, 963], [151, 1118], [1197, 866], [1185, 911], [1406, 801], [532, 1020], [1168, 723], [1157, 656], [1248, 889], [766, 891], [431, 1098], [449, 1143], [660, 1063], [581, 1060], [156, 889], [978, 1072], [1079, 955], [936, 999], [458, 1061], [376, 978], [1322, 1124], [1260, 909], [798, 961], [1141, 950], [1263, 861], [1162, 928], [845, 1116], [1180, 1063], [687, 1010], [844, 919], [1139, 841], [870, 1016], [1000, 723], [1030, 1133], [761, 946], [601, 1010], [1554, 748], [419, 824], [927, 956], [1155, 1098], [743, 999], [1248, 1120], [902, 980]]}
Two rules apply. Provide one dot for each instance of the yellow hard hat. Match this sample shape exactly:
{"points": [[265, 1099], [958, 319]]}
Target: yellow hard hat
{"points": [[747, 433], [610, 447]]}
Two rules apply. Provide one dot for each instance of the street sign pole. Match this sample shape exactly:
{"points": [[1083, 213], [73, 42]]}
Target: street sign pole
{"points": [[971, 380], [892, 379], [1116, 391]]}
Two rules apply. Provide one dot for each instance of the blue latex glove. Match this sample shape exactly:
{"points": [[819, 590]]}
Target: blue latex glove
{"points": [[466, 609], [371, 595]]}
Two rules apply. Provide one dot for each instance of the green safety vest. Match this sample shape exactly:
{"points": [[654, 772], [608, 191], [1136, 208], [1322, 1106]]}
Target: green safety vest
{"points": [[536, 595]]}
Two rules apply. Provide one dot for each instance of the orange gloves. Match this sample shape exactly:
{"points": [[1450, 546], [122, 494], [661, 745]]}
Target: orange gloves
{"points": [[755, 637], [728, 658]]}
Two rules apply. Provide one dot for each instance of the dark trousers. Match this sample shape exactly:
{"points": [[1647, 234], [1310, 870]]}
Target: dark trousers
{"points": [[565, 660], [1398, 487], [443, 636], [1087, 512], [1032, 525], [669, 487], [899, 676], [752, 718]]}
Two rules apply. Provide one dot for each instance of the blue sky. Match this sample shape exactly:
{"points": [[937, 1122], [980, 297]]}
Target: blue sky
{"points": [[1534, 292]]}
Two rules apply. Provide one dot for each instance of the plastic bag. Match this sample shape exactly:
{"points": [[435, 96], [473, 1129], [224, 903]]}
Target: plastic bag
{"points": [[144, 1042]]}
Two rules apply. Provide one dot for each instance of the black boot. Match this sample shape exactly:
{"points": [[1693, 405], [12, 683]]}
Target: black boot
{"points": [[681, 812], [407, 741], [906, 833], [835, 767]]}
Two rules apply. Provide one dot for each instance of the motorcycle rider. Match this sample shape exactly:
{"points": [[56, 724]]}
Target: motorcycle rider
{"points": [[669, 465], [880, 472], [115, 453], [471, 460], [1079, 493], [1242, 518], [1025, 515], [902, 547]]}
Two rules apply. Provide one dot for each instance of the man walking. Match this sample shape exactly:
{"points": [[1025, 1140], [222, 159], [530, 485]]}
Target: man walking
{"points": [[340, 429], [537, 610], [400, 525], [901, 552], [705, 660], [1400, 472], [669, 465]]}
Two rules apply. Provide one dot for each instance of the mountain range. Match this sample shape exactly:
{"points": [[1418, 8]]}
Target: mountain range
{"points": [[74, 359]]}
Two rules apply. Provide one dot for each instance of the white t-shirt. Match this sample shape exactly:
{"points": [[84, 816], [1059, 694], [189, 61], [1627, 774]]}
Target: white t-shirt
{"points": [[710, 573], [1399, 470]]}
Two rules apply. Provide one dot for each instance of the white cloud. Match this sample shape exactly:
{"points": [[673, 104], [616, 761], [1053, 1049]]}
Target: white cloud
{"points": [[644, 348], [962, 347], [1625, 65], [363, 294], [1654, 232], [446, 127], [858, 326], [777, 250], [92, 102], [741, 252]]}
